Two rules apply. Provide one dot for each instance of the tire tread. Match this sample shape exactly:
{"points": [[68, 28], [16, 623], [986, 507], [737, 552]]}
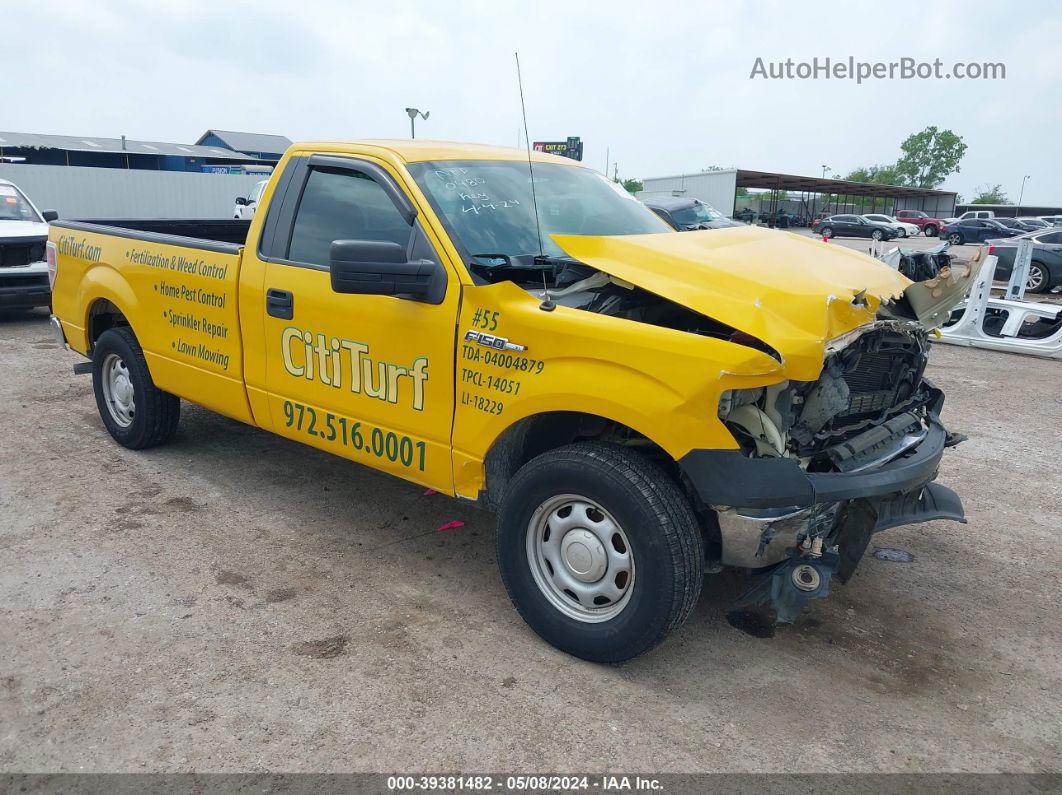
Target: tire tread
{"points": [[162, 409], [677, 525]]}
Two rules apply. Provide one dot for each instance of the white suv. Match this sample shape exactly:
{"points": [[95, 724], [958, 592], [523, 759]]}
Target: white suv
{"points": [[23, 238]]}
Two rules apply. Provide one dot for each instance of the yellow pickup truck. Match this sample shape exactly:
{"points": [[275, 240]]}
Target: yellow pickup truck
{"points": [[640, 406]]}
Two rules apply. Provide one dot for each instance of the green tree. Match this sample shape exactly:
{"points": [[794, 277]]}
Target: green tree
{"points": [[990, 194], [632, 185], [929, 157], [876, 175]]}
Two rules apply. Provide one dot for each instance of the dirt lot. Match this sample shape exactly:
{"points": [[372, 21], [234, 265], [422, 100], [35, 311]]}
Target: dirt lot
{"points": [[235, 601]]}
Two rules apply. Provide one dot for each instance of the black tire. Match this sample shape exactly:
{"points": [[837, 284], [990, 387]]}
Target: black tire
{"points": [[877, 234], [902, 232], [661, 530], [955, 239], [827, 231], [1040, 276], [155, 415], [930, 230]]}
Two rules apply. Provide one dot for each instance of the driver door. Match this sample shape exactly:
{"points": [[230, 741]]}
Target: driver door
{"points": [[368, 377]]}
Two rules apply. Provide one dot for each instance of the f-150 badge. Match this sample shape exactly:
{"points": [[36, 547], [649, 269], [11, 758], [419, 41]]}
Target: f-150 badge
{"points": [[490, 341]]}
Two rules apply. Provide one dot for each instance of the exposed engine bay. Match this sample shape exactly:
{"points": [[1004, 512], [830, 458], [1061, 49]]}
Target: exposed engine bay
{"points": [[869, 405]]}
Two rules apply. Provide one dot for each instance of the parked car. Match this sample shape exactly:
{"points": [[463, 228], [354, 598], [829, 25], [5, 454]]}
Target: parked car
{"points": [[1017, 223], [746, 214], [24, 279], [903, 228], [1053, 220], [1045, 270], [780, 218], [973, 230], [686, 214], [853, 226], [246, 205], [359, 334], [1034, 223], [929, 225]]}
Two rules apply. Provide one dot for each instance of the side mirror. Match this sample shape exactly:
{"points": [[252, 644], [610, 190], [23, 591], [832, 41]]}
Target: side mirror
{"points": [[240, 200], [380, 267], [49, 215]]}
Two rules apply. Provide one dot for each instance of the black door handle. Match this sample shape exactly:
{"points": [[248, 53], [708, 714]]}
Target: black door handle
{"points": [[280, 303]]}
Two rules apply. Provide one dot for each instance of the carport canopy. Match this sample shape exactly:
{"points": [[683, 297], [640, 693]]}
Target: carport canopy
{"points": [[904, 198]]}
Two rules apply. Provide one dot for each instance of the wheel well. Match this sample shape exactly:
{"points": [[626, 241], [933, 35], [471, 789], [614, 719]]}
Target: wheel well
{"points": [[103, 315], [534, 435]]}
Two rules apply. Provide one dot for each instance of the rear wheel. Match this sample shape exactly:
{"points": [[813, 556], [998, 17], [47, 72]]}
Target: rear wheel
{"points": [[135, 412], [955, 238], [599, 550], [930, 230], [1038, 279]]}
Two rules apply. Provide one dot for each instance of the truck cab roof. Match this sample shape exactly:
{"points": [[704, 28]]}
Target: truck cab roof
{"points": [[419, 150]]}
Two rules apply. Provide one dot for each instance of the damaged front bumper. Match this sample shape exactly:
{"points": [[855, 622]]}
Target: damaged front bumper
{"points": [[800, 529], [731, 478]]}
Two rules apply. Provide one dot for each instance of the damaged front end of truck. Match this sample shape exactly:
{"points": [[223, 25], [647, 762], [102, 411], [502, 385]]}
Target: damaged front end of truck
{"points": [[849, 443]]}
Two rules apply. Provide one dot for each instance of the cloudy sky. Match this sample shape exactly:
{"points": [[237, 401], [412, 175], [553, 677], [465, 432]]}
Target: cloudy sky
{"points": [[665, 87]]}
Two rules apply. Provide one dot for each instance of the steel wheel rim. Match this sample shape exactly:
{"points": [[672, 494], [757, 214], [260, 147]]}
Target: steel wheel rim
{"points": [[118, 391], [1035, 280], [579, 556]]}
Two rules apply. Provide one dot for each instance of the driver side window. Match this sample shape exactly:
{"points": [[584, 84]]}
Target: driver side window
{"points": [[342, 205]]}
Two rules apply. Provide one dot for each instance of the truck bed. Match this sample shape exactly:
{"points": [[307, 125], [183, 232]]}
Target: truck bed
{"points": [[173, 280], [223, 235]]}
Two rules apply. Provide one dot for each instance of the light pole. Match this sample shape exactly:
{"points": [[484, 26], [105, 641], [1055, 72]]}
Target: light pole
{"points": [[824, 170], [1022, 191], [413, 113]]}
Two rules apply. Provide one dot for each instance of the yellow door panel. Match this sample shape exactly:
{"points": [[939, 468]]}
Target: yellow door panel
{"points": [[368, 377]]}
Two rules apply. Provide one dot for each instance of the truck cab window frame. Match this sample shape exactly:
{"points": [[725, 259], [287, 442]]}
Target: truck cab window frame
{"points": [[279, 234]]}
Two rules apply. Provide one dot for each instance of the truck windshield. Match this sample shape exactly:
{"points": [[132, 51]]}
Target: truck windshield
{"points": [[15, 207], [699, 213], [488, 208]]}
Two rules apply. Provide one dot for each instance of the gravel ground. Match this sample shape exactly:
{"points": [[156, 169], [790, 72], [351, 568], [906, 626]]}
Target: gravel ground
{"points": [[235, 601]]}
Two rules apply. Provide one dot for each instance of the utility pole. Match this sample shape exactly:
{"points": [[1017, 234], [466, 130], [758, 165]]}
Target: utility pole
{"points": [[615, 172], [607, 153], [1022, 191]]}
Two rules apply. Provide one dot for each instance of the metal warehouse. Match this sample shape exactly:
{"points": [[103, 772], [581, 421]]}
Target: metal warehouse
{"points": [[804, 196], [217, 151]]}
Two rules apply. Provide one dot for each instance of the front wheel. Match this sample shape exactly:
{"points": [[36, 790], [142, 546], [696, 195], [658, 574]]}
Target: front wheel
{"points": [[599, 550], [877, 234], [955, 238], [903, 232], [827, 232], [135, 412]]}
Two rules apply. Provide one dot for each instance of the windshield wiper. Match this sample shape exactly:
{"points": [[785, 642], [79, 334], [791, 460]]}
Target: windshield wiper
{"points": [[551, 261]]}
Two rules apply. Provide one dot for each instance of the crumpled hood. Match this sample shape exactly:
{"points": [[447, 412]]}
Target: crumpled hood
{"points": [[22, 229], [793, 292]]}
